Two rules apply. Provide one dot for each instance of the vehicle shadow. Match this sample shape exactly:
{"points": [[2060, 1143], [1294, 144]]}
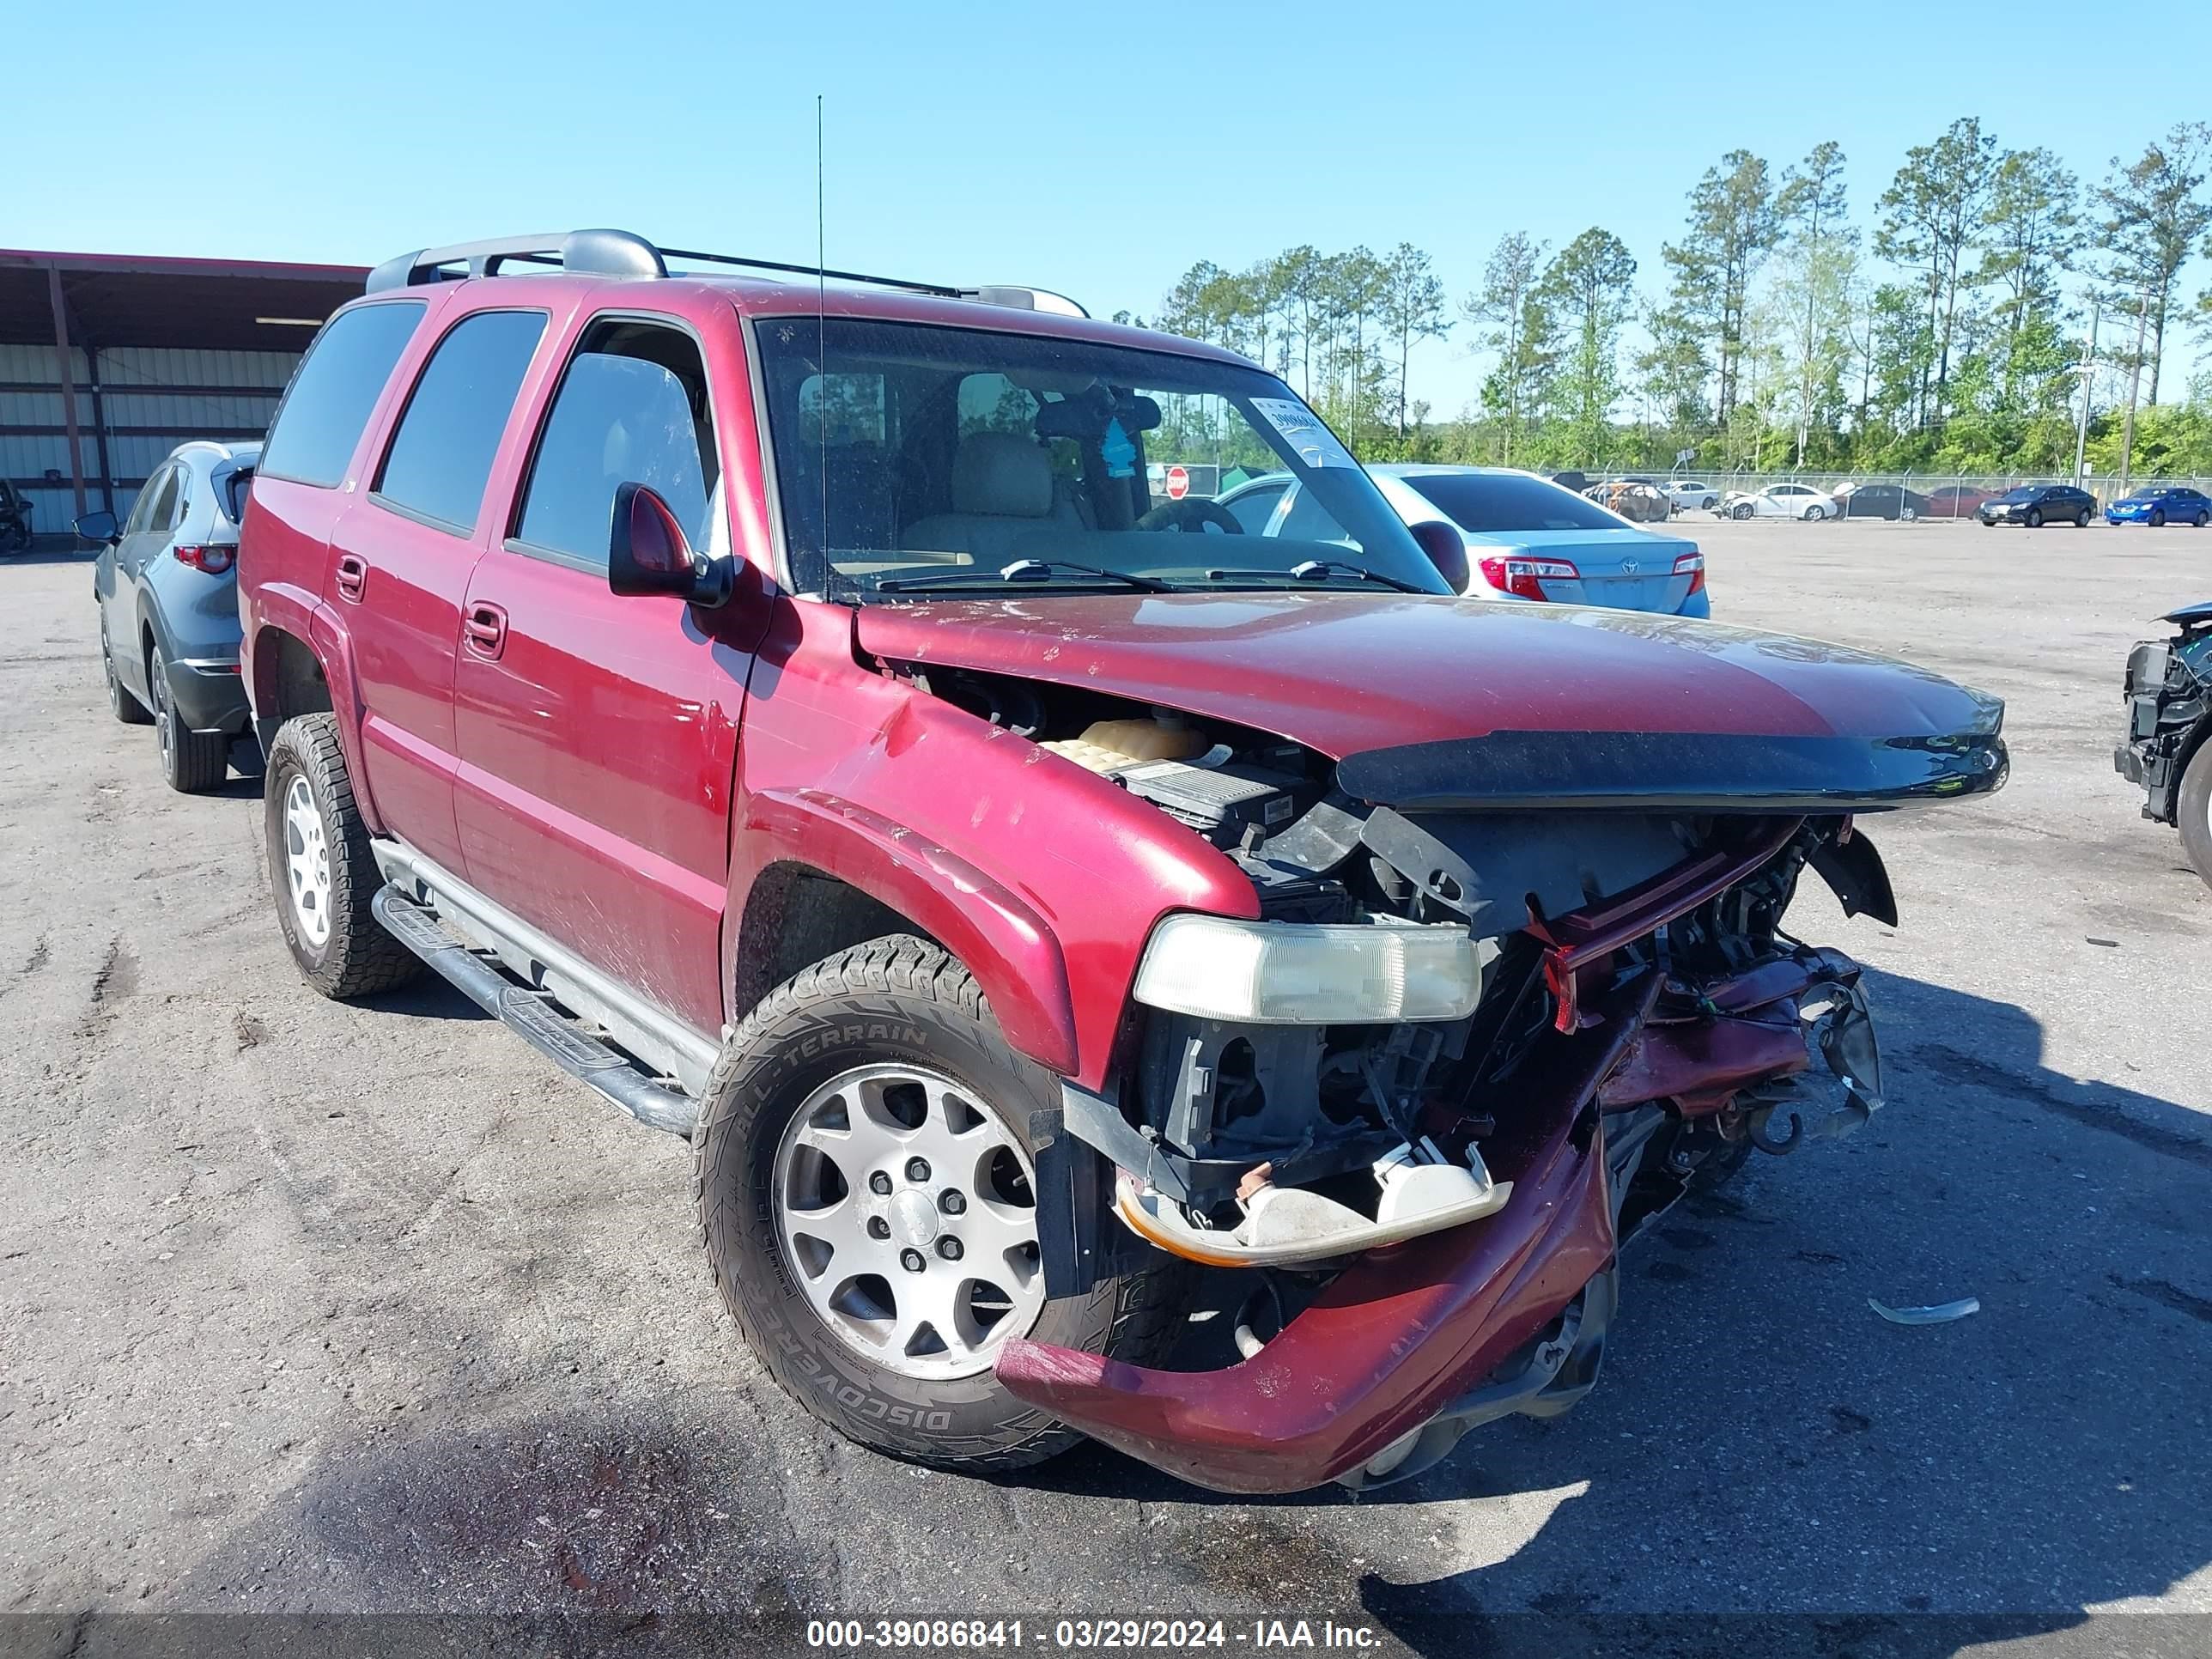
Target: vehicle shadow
{"points": [[1769, 1465]]}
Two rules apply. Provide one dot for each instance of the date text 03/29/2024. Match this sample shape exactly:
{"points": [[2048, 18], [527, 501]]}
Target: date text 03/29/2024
{"points": [[1148, 1635]]}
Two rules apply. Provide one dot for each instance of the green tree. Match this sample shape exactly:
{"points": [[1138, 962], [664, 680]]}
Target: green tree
{"points": [[2033, 230], [1413, 309], [1591, 287], [1732, 227], [1819, 262], [1932, 215], [1502, 307], [2152, 212]]}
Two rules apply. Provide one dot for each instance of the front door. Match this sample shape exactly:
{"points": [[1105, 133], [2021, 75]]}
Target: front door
{"points": [[598, 734], [400, 563]]}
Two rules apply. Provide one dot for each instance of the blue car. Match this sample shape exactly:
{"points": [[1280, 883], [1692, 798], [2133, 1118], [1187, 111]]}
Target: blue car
{"points": [[2167, 504], [1526, 537]]}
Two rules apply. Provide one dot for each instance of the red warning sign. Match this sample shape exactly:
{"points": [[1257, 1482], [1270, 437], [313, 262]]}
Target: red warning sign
{"points": [[1178, 482]]}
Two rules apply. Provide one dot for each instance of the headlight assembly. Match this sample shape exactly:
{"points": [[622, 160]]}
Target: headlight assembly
{"points": [[1282, 973]]}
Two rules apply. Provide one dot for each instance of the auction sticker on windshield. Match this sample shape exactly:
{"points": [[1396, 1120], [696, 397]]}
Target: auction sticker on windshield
{"points": [[1300, 428]]}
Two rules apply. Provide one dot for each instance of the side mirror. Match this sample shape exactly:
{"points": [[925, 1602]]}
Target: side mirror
{"points": [[648, 553], [98, 527], [1447, 550]]}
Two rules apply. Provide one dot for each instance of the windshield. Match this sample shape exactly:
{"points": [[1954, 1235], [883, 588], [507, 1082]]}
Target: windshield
{"points": [[2025, 493], [928, 458], [1483, 501]]}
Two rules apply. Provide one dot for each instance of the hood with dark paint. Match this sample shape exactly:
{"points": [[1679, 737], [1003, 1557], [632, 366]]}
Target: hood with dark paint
{"points": [[1346, 672]]}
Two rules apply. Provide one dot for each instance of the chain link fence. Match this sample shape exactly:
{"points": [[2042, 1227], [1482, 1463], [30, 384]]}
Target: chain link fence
{"points": [[1924, 495]]}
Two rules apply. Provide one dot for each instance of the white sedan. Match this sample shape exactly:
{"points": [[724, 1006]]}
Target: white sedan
{"points": [[1782, 500], [1689, 496]]}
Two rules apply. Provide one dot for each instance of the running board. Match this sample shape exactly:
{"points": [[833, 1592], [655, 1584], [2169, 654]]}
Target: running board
{"points": [[534, 1017]]}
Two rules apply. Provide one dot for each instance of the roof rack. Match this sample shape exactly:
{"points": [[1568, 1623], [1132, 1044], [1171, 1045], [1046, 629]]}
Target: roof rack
{"points": [[624, 253]]}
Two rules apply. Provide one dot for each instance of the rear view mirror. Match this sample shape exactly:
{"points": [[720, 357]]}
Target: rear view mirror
{"points": [[98, 527], [1447, 550], [648, 553]]}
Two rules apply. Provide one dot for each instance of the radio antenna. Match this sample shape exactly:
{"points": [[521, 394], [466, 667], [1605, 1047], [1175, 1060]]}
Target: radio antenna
{"points": [[821, 336]]}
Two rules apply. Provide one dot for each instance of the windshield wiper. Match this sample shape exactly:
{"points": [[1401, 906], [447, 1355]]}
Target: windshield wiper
{"points": [[1319, 570], [1021, 570]]}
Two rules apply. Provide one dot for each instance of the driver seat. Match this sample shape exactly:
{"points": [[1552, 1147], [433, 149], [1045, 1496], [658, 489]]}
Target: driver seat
{"points": [[1002, 490]]}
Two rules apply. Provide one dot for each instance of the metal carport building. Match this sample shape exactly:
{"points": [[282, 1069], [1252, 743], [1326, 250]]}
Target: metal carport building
{"points": [[109, 361]]}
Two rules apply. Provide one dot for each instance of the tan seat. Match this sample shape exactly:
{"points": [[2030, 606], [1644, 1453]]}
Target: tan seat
{"points": [[1002, 488]]}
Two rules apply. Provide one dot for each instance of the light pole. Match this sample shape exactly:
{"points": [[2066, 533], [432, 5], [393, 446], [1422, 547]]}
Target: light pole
{"points": [[2087, 371], [2134, 383]]}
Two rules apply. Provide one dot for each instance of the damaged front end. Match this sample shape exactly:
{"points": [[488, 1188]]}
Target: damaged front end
{"points": [[1480, 1034], [2169, 692]]}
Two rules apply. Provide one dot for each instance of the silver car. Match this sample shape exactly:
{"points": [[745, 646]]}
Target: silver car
{"points": [[166, 581]]}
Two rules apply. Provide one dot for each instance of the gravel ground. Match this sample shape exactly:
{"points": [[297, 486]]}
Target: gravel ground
{"points": [[327, 1312]]}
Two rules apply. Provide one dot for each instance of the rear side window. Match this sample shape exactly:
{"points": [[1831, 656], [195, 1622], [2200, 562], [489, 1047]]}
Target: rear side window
{"points": [[334, 391], [632, 409], [441, 455]]}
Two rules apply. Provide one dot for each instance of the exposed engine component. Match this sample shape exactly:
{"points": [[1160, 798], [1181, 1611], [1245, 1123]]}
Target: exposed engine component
{"points": [[1416, 1190]]}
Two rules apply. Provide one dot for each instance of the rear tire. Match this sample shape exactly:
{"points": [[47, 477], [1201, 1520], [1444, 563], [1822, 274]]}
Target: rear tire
{"points": [[192, 762], [120, 703], [2193, 810], [899, 1007], [2081, 520], [321, 869]]}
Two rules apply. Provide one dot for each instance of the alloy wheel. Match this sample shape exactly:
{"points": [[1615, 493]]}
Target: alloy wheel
{"points": [[907, 1210], [307, 863]]}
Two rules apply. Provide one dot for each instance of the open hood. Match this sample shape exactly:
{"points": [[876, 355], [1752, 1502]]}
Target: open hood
{"points": [[1353, 673]]}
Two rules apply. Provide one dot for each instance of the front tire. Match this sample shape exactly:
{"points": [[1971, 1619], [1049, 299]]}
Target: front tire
{"points": [[1741, 512], [2035, 518], [2193, 812], [321, 869], [192, 762], [863, 1177]]}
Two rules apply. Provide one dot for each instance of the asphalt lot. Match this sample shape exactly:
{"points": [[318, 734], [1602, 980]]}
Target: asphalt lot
{"points": [[318, 1309]]}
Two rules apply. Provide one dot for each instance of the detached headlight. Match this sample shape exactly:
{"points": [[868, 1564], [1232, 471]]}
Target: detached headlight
{"points": [[1289, 972]]}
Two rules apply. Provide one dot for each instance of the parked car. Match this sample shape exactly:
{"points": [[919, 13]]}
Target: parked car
{"points": [[167, 583], [1636, 500], [1781, 501], [2163, 505], [1957, 500], [806, 729], [2036, 505], [15, 519], [1882, 500], [1527, 538], [2167, 748], [1689, 495]]}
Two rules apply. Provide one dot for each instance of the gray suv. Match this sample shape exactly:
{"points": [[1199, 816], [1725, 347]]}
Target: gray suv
{"points": [[166, 581]]}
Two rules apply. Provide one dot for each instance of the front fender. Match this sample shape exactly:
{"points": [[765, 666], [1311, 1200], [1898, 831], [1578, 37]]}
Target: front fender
{"points": [[997, 938]]}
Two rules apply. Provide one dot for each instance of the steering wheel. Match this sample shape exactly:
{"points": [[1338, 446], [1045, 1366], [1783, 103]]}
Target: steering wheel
{"points": [[1190, 515]]}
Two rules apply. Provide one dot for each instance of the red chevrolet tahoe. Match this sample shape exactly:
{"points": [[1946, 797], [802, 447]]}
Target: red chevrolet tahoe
{"points": [[782, 700]]}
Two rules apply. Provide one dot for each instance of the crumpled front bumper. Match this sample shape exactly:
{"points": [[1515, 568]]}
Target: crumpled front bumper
{"points": [[1404, 1331]]}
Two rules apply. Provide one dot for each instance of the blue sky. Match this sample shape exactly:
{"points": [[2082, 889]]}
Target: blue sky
{"points": [[1094, 150]]}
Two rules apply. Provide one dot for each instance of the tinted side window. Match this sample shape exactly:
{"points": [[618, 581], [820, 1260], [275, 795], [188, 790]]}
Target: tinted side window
{"points": [[141, 510], [632, 409], [441, 454], [162, 516], [1254, 509], [1307, 521], [334, 391]]}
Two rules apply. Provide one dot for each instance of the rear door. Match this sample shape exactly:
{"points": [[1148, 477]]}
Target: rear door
{"points": [[401, 565], [599, 734], [146, 533]]}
